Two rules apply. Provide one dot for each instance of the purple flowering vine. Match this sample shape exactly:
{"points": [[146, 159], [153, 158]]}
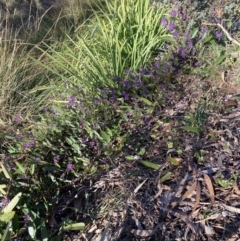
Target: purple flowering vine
{"points": [[70, 166], [71, 101]]}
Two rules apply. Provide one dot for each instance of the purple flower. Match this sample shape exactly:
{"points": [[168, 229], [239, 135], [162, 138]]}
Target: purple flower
{"points": [[182, 52], [4, 202], [92, 143], [112, 99], [175, 34], [129, 71], [71, 101], [171, 26], [56, 159], [79, 106], [70, 166], [19, 137], [164, 22], [29, 144], [203, 29], [125, 95], [173, 13], [116, 79], [197, 64], [95, 126], [26, 218], [157, 64], [189, 43], [127, 83], [218, 35], [96, 102], [166, 69], [18, 119], [104, 91]]}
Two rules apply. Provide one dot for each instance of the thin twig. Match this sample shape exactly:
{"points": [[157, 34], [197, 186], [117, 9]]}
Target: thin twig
{"points": [[225, 31]]}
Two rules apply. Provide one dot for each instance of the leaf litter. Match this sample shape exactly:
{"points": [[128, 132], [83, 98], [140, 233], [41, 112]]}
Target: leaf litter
{"points": [[183, 188]]}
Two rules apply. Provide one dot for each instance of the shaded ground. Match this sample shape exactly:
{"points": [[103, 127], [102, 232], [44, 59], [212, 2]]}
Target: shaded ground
{"points": [[200, 198]]}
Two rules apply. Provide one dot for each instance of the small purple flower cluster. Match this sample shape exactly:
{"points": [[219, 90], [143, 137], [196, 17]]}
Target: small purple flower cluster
{"points": [[29, 144]]}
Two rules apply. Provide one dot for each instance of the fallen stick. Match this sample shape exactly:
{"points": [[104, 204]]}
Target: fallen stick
{"points": [[230, 38]]}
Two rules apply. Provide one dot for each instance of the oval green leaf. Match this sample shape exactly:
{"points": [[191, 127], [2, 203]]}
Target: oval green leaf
{"points": [[6, 217], [192, 129], [5, 171], [165, 177], [174, 161], [12, 204], [74, 226], [150, 165], [21, 168]]}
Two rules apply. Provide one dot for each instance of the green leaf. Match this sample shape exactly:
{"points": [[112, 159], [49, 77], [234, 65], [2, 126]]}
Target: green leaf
{"points": [[6, 217], [32, 170], [150, 165], [148, 102], [142, 151], [70, 141], [130, 158], [15, 223], [105, 136], [2, 191], [12, 204], [32, 229], [44, 232], [207, 39], [194, 32], [192, 129], [174, 161], [220, 59], [21, 168], [165, 177], [74, 226], [5, 171]]}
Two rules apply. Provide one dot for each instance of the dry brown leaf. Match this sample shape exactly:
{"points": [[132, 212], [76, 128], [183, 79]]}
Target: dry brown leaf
{"points": [[212, 217], [198, 194], [208, 182], [186, 194], [209, 230], [231, 209], [181, 185], [236, 189], [139, 186], [138, 224], [142, 233]]}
